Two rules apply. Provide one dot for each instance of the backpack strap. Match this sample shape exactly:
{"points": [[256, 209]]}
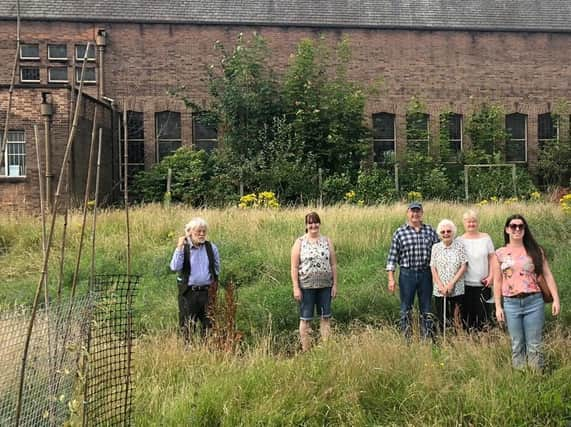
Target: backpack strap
{"points": [[211, 260]]}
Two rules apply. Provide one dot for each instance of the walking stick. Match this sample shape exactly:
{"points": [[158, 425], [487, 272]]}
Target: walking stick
{"points": [[444, 315]]}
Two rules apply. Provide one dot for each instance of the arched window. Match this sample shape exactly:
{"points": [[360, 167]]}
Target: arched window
{"points": [[383, 136]]}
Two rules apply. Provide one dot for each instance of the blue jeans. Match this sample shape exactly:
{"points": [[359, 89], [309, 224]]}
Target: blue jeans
{"points": [[315, 300], [525, 318], [413, 282]]}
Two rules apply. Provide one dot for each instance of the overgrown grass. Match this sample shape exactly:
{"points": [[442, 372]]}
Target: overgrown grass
{"points": [[365, 376]]}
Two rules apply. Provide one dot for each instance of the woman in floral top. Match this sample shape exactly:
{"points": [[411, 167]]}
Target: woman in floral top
{"points": [[448, 264], [517, 268], [314, 278]]}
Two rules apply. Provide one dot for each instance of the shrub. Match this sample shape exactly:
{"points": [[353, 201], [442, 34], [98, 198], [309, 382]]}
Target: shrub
{"points": [[376, 185]]}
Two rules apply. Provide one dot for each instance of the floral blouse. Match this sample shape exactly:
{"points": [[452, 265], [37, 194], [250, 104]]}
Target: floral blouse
{"points": [[315, 264], [518, 271], [447, 260]]}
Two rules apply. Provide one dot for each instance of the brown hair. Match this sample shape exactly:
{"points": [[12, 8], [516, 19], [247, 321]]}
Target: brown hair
{"points": [[312, 217]]}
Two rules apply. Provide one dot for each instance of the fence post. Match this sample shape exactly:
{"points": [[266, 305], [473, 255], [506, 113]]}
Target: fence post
{"points": [[320, 181], [514, 178], [466, 181], [397, 177]]}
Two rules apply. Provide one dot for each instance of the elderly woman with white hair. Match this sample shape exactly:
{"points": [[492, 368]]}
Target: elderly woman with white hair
{"points": [[448, 265]]}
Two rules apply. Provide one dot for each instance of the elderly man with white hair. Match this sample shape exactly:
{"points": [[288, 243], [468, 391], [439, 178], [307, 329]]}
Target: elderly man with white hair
{"points": [[198, 263]]}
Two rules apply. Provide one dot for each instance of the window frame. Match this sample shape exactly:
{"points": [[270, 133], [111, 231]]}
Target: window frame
{"points": [[382, 141], [456, 145], [6, 161], [511, 140], [30, 67], [424, 141], [50, 80], [137, 165], [159, 140], [29, 58], [555, 125], [78, 75], [79, 58], [57, 58], [210, 143]]}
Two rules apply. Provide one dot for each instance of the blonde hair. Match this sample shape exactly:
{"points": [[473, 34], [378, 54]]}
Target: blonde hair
{"points": [[470, 214]]}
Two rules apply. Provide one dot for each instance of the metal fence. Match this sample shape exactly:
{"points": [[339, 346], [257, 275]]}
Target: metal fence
{"points": [[78, 368]]}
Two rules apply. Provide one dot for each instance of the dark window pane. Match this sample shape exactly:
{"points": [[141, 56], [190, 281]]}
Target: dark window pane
{"points": [[30, 74], [515, 151], [57, 51], [57, 74], [168, 125], [546, 127], [515, 125], [455, 126], [80, 51], [136, 152], [88, 75], [383, 149], [383, 126], [135, 125], [167, 147], [30, 51]]}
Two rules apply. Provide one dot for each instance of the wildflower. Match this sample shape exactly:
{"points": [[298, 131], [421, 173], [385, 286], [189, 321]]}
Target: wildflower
{"points": [[483, 202], [536, 195]]}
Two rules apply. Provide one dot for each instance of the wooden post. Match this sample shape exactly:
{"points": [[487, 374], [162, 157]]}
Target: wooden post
{"points": [[466, 182]]}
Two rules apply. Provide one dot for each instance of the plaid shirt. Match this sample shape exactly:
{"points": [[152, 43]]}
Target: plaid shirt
{"points": [[411, 249]]}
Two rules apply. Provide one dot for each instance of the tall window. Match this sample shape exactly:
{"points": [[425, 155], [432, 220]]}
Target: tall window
{"points": [[204, 132], [135, 143], [417, 134], [516, 145], [14, 163], [167, 133], [451, 135], [383, 136], [547, 129]]}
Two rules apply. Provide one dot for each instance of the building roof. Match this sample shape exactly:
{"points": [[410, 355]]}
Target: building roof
{"points": [[485, 15]]}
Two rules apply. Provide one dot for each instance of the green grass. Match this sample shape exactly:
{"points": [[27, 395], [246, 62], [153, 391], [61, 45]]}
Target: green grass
{"points": [[365, 376]]}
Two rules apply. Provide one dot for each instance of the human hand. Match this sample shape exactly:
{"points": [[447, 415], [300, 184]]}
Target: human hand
{"points": [[334, 291], [555, 308], [297, 293], [181, 242], [391, 285], [500, 314]]}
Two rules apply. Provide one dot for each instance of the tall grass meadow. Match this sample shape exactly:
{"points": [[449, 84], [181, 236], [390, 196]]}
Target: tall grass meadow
{"points": [[366, 374]]}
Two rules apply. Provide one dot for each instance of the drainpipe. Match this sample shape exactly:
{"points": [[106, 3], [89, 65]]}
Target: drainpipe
{"points": [[100, 42], [47, 111]]}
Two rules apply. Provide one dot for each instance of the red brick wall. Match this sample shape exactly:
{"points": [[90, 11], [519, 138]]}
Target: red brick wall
{"points": [[450, 71]]}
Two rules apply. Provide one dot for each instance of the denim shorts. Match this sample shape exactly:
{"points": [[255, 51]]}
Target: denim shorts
{"points": [[320, 299]]}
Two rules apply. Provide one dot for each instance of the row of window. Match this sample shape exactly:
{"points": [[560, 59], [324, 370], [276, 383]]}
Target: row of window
{"points": [[168, 137], [56, 52], [384, 140], [32, 74]]}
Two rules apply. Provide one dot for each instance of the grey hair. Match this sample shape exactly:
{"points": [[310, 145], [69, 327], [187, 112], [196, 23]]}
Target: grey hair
{"points": [[470, 214], [195, 223], [444, 223]]}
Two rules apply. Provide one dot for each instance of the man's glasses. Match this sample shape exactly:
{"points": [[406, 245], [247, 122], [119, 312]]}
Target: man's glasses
{"points": [[514, 227], [445, 232]]}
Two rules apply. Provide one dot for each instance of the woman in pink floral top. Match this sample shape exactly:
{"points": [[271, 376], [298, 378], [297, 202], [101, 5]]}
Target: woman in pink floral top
{"points": [[517, 268]]}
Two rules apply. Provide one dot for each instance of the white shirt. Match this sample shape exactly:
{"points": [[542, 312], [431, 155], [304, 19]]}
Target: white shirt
{"points": [[477, 252]]}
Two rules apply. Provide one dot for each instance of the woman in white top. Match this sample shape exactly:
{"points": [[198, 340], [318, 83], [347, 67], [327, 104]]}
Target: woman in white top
{"points": [[478, 278], [314, 278], [448, 264]]}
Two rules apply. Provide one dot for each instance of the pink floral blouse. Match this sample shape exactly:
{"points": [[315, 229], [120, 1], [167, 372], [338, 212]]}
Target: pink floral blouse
{"points": [[518, 271]]}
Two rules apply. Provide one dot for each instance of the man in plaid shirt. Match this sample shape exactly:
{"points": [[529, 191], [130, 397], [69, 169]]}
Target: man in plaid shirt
{"points": [[410, 249]]}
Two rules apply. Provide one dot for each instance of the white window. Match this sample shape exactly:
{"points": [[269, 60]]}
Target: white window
{"points": [[57, 74], [516, 145], [80, 52], [14, 163], [30, 74], [88, 75], [30, 51], [57, 52]]}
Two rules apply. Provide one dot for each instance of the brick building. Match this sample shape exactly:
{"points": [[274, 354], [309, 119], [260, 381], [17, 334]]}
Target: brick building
{"points": [[452, 55]]}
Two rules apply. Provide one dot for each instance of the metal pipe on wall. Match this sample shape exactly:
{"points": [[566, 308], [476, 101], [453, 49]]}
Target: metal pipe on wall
{"points": [[47, 111], [101, 43]]}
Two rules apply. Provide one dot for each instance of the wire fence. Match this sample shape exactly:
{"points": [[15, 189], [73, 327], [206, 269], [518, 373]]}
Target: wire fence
{"points": [[78, 369]]}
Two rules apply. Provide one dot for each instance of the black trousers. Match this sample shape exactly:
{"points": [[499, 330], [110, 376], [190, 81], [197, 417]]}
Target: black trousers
{"points": [[454, 307], [193, 308], [476, 313]]}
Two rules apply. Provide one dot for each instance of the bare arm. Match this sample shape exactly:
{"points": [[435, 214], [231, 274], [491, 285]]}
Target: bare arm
{"points": [[333, 262], [497, 279], [552, 285], [295, 269]]}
